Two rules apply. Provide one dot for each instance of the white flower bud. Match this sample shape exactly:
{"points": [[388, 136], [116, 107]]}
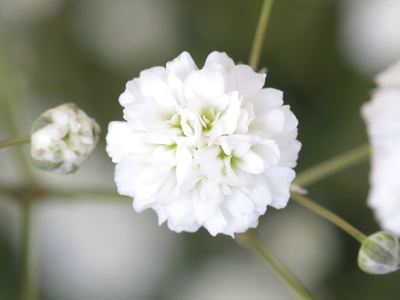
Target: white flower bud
{"points": [[379, 254], [62, 139]]}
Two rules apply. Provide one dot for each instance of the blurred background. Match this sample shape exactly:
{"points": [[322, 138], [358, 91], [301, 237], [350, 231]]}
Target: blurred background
{"points": [[322, 53]]}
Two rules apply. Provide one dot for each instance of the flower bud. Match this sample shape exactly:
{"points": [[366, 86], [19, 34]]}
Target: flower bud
{"points": [[62, 139], [379, 253]]}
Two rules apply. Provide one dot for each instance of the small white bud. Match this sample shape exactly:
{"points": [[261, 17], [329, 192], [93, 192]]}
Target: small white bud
{"points": [[62, 139], [379, 254]]}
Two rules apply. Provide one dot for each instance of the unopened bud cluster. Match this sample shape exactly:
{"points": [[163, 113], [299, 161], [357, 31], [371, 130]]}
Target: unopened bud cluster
{"points": [[62, 139], [379, 253]]}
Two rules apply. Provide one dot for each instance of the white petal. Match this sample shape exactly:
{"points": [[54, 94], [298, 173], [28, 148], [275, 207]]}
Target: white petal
{"points": [[143, 115], [240, 213], [237, 144], [243, 79], [204, 207], [184, 165], [203, 85], [269, 151], [121, 141], [137, 88], [228, 120], [239, 204], [267, 98], [234, 175], [279, 180], [216, 224], [218, 62], [182, 66], [116, 130], [269, 122], [162, 216], [211, 164], [168, 191], [259, 192], [126, 175], [251, 163], [181, 214]]}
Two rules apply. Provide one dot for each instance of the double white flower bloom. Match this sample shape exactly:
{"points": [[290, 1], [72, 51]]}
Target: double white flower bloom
{"points": [[382, 116], [205, 147]]}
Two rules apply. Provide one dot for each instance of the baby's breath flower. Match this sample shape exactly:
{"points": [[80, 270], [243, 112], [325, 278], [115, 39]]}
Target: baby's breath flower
{"points": [[62, 139], [205, 147], [382, 117]]}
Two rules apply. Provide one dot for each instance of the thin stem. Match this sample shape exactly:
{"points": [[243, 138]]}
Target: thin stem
{"points": [[260, 33], [9, 91], [333, 165], [6, 188], [323, 212], [75, 193], [29, 291], [9, 106], [12, 142], [280, 269]]}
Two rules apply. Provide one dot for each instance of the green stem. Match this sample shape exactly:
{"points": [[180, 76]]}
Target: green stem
{"points": [[323, 212], [12, 142], [333, 165], [86, 193], [280, 269], [260, 33], [29, 291], [6, 188], [9, 92]]}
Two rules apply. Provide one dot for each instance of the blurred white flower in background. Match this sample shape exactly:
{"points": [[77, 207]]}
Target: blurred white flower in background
{"points": [[206, 147], [120, 32], [369, 33], [62, 139], [382, 117]]}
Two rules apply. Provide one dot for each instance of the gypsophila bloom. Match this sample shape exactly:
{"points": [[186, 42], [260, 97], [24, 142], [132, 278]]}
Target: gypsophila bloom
{"points": [[382, 117], [62, 139], [205, 147]]}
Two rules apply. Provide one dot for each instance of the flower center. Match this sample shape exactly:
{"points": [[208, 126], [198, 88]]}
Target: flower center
{"points": [[208, 118]]}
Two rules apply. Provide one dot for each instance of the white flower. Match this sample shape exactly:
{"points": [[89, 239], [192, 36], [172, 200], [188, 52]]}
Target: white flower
{"points": [[62, 139], [382, 117], [205, 147]]}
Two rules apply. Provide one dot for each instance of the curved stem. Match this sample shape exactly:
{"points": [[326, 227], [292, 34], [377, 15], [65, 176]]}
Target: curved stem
{"points": [[280, 269], [323, 212], [12, 142], [333, 165], [259, 37]]}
